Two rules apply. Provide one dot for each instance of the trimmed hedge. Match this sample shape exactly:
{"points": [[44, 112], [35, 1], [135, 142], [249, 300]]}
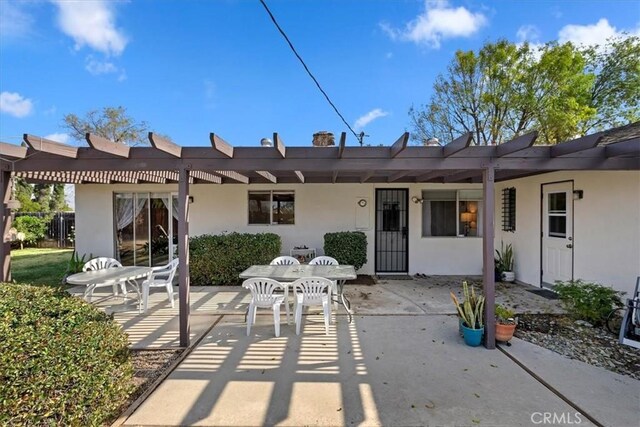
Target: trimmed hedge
{"points": [[347, 247], [62, 362], [219, 259]]}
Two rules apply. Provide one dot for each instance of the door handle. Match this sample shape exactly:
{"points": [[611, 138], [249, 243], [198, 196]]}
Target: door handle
{"points": [[569, 245]]}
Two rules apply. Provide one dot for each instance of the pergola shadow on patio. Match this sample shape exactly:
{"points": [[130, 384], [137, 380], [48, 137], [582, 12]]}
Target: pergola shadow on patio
{"points": [[103, 161]]}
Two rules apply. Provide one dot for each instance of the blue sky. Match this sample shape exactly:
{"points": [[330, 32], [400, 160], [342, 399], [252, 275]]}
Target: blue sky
{"points": [[193, 67]]}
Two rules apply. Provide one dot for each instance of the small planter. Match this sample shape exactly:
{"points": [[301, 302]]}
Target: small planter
{"points": [[504, 332], [509, 276], [472, 337]]}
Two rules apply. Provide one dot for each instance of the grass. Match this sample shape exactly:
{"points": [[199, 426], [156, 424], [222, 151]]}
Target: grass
{"points": [[39, 266]]}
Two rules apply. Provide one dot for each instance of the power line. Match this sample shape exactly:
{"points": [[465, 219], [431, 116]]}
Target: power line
{"points": [[358, 137]]}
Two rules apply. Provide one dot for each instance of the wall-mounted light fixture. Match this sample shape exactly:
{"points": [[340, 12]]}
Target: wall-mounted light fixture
{"points": [[416, 200], [578, 194]]}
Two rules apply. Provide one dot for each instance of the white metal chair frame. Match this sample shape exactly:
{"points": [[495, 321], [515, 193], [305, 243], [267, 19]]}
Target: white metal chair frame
{"points": [[263, 295], [102, 263], [310, 291], [160, 277]]}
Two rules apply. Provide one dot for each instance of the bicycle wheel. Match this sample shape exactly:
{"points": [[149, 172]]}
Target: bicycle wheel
{"points": [[614, 320]]}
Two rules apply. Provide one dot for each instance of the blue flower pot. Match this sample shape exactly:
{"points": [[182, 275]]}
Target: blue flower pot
{"points": [[460, 322], [472, 337]]}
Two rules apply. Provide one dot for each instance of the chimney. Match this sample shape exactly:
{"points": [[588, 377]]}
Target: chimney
{"points": [[323, 139]]}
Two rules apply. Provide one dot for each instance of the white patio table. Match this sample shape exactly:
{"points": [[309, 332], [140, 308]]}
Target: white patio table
{"points": [[127, 275], [290, 273]]}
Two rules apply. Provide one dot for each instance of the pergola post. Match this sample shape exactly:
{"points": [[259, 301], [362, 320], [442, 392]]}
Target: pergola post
{"points": [[488, 279], [5, 246], [183, 255]]}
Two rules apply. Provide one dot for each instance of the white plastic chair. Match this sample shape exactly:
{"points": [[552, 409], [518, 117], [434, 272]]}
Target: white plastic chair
{"points": [[284, 260], [310, 291], [263, 295], [327, 260], [160, 277], [102, 263]]}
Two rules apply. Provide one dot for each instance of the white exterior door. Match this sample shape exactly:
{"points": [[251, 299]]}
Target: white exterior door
{"points": [[557, 232]]}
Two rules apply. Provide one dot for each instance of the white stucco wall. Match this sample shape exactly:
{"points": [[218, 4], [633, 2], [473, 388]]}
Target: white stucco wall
{"points": [[320, 208], [606, 226]]}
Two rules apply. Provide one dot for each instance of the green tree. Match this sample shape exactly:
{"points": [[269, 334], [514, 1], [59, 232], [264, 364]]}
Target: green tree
{"points": [[24, 194], [505, 90], [57, 202], [112, 123]]}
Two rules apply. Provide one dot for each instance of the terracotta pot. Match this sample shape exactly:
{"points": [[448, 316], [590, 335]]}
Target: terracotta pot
{"points": [[504, 332]]}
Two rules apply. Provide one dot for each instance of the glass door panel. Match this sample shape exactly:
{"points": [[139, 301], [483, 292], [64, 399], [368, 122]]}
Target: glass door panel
{"points": [[141, 229], [124, 237], [159, 221]]}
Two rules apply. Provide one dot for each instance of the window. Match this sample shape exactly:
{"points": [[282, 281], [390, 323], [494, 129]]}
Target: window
{"points": [[451, 213], [557, 206], [271, 207], [509, 209]]}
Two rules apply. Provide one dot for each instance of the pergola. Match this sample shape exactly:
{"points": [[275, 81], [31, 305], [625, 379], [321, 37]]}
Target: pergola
{"points": [[43, 161]]}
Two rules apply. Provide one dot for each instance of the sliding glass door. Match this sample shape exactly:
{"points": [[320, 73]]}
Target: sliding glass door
{"points": [[145, 227]]}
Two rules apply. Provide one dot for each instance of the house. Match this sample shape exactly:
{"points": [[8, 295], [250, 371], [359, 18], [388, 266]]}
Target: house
{"points": [[563, 225], [571, 210]]}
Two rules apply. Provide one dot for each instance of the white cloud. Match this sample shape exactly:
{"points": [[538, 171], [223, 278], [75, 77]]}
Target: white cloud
{"points": [[437, 22], [594, 34], [528, 33], [369, 117], [63, 138], [15, 22], [15, 104], [92, 24], [96, 67]]}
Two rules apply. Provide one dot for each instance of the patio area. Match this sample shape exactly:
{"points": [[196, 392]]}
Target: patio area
{"points": [[400, 362], [158, 328]]}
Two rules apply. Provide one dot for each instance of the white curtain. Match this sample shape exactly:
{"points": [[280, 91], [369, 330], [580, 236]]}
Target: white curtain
{"points": [[125, 212]]}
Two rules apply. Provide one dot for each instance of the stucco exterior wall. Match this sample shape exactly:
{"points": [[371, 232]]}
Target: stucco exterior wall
{"points": [[606, 224], [319, 208]]}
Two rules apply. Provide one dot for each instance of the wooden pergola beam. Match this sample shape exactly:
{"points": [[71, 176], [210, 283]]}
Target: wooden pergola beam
{"points": [[334, 177], [461, 176], [221, 146], [278, 145], [623, 148], [165, 145], [52, 147], [576, 145], [268, 176], [205, 176], [430, 175], [343, 142], [300, 176], [520, 143], [100, 143], [399, 145], [236, 176], [367, 176], [457, 144], [396, 176], [11, 150]]}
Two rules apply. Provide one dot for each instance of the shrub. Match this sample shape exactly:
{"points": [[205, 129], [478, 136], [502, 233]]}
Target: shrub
{"points": [[347, 247], [219, 259], [591, 302], [62, 362], [34, 228]]}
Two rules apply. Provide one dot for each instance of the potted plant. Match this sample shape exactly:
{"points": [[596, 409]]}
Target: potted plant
{"points": [[504, 258], [505, 323], [471, 312]]}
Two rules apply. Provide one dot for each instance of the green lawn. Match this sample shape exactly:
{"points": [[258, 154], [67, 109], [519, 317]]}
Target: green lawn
{"points": [[39, 266]]}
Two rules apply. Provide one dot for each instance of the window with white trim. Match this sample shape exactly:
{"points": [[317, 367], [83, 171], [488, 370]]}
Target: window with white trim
{"points": [[451, 213], [271, 207]]}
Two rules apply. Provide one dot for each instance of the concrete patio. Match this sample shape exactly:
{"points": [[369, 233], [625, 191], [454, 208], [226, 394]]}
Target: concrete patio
{"points": [[400, 362]]}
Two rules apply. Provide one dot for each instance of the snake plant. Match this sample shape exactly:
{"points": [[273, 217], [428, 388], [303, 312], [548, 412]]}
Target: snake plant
{"points": [[471, 309]]}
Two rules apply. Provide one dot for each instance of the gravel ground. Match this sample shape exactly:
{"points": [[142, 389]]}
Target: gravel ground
{"points": [[593, 345], [149, 365]]}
